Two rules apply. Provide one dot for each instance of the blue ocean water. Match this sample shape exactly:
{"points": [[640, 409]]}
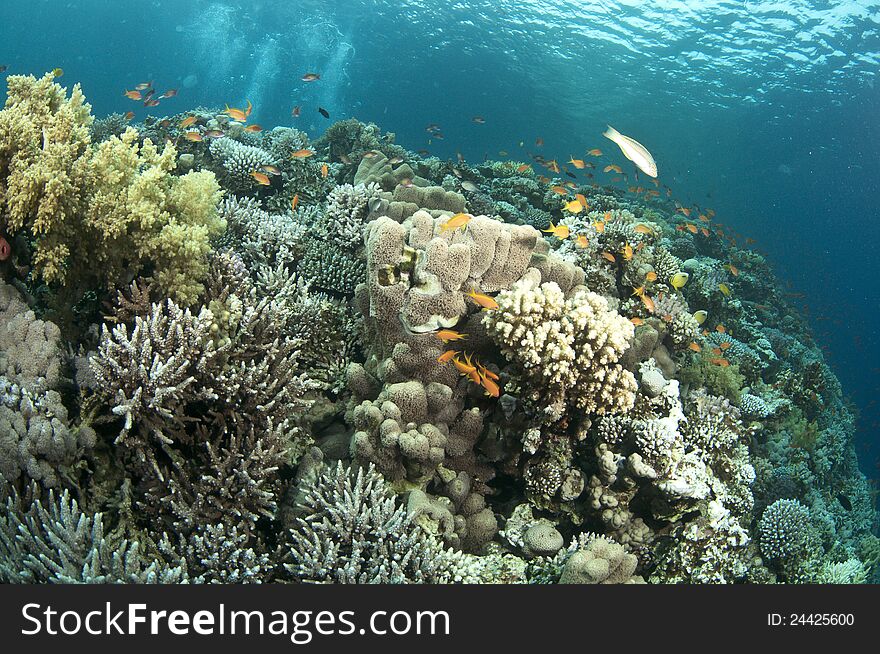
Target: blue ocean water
{"points": [[764, 111]]}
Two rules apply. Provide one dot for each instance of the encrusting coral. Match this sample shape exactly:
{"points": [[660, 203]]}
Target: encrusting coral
{"points": [[374, 368]]}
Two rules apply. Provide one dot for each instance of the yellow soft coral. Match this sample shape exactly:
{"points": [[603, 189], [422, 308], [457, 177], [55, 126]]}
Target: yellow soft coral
{"points": [[97, 212]]}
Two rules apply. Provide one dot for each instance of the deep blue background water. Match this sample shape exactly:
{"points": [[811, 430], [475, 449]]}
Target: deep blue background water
{"points": [[765, 111]]}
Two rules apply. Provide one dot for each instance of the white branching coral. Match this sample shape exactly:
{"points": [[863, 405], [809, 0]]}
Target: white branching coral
{"points": [[238, 161], [353, 531], [566, 349], [54, 541], [347, 210]]}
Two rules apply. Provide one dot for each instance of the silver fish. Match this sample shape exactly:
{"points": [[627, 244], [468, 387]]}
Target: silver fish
{"points": [[633, 150], [469, 186]]}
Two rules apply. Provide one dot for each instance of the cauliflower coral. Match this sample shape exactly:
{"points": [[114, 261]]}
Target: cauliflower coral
{"points": [[566, 349]]}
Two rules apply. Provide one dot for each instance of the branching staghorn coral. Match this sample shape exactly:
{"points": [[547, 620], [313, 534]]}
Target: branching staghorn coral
{"points": [[51, 540], [236, 161], [353, 530], [347, 210], [212, 403]]}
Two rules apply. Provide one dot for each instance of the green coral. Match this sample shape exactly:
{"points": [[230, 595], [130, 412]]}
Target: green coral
{"points": [[98, 212], [718, 380]]}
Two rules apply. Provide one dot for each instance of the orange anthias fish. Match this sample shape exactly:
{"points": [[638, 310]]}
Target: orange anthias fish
{"points": [[458, 220], [595, 152], [561, 190], [552, 165], [302, 154], [617, 169], [129, 115], [559, 231], [186, 122], [252, 129], [133, 95], [170, 93], [599, 226], [447, 335], [577, 163], [463, 368], [721, 329], [294, 202], [523, 168], [249, 109], [236, 114], [725, 345], [643, 229], [195, 137], [627, 252], [582, 199], [651, 276], [638, 322], [574, 206], [447, 356], [733, 269], [582, 241], [296, 111], [325, 170], [609, 256], [691, 228], [695, 347], [492, 389], [483, 300], [648, 302], [262, 178], [719, 362]]}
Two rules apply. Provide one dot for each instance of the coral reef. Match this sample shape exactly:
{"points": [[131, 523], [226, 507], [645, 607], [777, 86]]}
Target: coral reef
{"points": [[375, 368]]}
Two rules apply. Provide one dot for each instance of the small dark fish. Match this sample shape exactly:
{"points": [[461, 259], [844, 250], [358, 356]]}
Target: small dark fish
{"points": [[170, 93], [570, 174], [395, 160], [3, 69], [323, 112], [375, 204], [344, 158], [844, 502], [151, 103], [424, 153], [296, 111], [310, 77]]}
